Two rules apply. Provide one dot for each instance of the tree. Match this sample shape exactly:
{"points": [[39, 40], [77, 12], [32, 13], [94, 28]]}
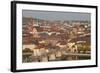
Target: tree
{"points": [[27, 50], [83, 47]]}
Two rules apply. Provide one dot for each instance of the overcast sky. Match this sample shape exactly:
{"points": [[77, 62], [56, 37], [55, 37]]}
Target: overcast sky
{"points": [[53, 15]]}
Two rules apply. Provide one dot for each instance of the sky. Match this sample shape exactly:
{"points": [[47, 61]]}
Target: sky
{"points": [[55, 15]]}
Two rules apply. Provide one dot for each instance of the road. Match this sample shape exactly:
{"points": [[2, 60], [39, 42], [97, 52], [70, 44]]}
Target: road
{"points": [[76, 54]]}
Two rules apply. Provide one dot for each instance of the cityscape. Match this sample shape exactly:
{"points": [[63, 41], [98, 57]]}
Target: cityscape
{"points": [[45, 40]]}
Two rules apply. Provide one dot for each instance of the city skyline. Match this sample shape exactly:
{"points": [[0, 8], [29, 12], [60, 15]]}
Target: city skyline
{"points": [[56, 15]]}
